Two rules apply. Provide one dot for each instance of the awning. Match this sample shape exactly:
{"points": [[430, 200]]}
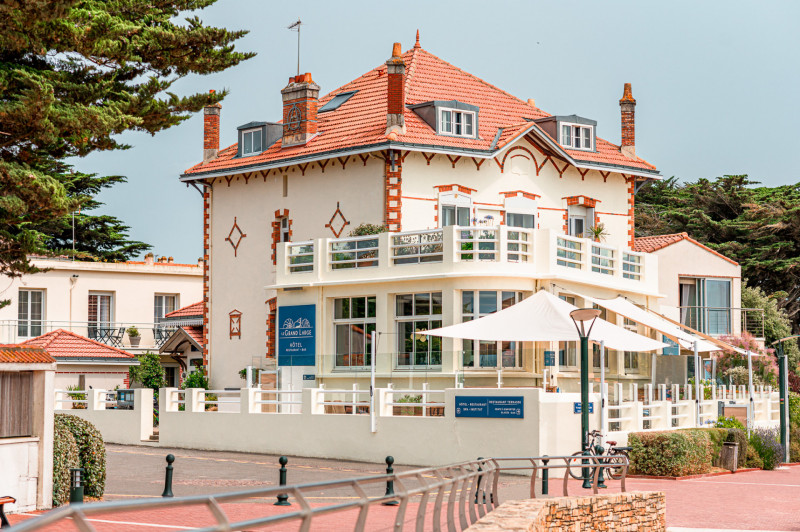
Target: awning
{"points": [[625, 308], [544, 317]]}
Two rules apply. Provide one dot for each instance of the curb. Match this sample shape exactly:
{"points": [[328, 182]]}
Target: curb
{"points": [[702, 475]]}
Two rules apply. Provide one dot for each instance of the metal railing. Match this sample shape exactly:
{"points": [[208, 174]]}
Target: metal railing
{"points": [[603, 259], [300, 256], [418, 246], [569, 252], [353, 252], [720, 321], [519, 245], [152, 335], [476, 244], [460, 495]]}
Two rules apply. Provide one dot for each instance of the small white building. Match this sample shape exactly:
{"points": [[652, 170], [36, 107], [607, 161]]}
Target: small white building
{"points": [[26, 427], [101, 301]]}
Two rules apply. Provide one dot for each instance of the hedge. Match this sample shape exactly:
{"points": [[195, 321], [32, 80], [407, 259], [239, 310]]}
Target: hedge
{"points": [[65, 457], [739, 436], [673, 453], [91, 452]]}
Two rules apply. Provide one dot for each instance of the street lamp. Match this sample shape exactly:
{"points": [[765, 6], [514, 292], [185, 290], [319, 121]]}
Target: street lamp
{"points": [[580, 317], [783, 391]]}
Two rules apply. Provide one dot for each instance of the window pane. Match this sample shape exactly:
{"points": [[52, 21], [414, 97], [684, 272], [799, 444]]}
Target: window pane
{"points": [[422, 304], [509, 354], [488, 354], [448, 215], [343, 345], [404, 304], [341, 308], [371, 304], [577, 137], [248, 143], [405, 337], [368, 344], [257, 141], [487, 302], [587, 141], [446, 127], [457, 120], [467, 300], [22, 307], [468, 117], [359, 307], [436, 304], [468, 353], [421, 343], [508, 299], [566, 136], [463, 216]]}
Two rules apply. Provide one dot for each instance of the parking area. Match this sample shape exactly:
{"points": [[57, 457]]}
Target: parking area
{"points": [[759, 500]]}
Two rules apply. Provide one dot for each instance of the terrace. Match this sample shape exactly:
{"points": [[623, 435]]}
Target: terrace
{"points": [[452, 251]]}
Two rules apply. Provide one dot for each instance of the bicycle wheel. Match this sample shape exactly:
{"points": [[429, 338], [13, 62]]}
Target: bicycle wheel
{"points": [[615, 464], [576, 467]]}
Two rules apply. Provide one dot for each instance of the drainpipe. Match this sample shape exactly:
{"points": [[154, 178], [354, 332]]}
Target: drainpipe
{"points": [[602, 390]]}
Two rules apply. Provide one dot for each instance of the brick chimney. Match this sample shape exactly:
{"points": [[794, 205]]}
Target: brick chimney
{"points": [[300, 102], [395, 91], [211, 131], [627, 107]]}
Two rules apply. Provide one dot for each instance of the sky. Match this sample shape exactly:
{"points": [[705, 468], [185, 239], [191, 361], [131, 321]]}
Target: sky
{"points": [[716, 84]]}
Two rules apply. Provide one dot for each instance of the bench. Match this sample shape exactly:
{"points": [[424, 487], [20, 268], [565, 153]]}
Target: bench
{"points": [[3, 501]]}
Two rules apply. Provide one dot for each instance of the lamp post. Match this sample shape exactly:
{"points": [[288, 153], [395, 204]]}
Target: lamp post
{"points": [[580, 317], [783, 391]]}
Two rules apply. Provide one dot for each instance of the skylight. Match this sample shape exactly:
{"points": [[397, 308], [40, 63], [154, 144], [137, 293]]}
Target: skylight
{"points": [[336, 102]]}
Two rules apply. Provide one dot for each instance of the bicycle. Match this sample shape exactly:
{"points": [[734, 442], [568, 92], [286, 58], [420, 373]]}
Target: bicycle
{"points": [[614, 457]]}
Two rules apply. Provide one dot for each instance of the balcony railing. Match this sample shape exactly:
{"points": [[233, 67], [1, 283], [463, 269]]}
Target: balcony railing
{"points": [[115, 334], [724, 321], [502, 250]]}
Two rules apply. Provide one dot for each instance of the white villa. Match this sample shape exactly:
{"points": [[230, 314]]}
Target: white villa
{"points": [[485, 199], [101, 302]]}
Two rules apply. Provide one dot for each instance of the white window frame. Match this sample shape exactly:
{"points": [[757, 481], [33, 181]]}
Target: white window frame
{"points": [[519, 363], [26, 325], [365, 321], [458, 200], [568, 141], [433, 320], [457, 118], [252, 132], [586, 214], [98, 322], [162, 297], [283, 227]]}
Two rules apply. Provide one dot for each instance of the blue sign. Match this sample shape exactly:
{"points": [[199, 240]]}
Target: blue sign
{"points": [[310, 377], [297, 335], [576, 408], [673, 349], [494, 407], [549, 358]]}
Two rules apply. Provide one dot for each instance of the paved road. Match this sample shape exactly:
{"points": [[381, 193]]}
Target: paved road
{"points": [[762, 500]]}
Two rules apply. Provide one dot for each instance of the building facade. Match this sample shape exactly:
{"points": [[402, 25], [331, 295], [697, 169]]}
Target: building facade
{"points": [[483, 199]]}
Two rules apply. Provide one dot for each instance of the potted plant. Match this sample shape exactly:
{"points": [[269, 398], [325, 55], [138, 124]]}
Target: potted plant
{"points": [[598, 233], [135, 337], [77, 397], [408, 410]]}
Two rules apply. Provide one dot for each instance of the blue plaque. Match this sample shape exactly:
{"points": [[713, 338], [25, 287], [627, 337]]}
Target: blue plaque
{"points": [[297, 335], [549, 358], [576, 408], [491, 407], [672, 349], [311, 377]]}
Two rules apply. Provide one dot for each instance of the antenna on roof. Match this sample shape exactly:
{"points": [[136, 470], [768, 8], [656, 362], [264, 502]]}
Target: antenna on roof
{"points": [[295, 26]]}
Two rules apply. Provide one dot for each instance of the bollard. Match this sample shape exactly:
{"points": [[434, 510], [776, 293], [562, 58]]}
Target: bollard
{"points": [[390, 483], [168, 477], [546, 476], [283, 498], [598, 451], [76, 485]]}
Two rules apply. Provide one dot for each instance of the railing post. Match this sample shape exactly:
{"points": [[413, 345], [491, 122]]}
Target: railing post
{"points": [[546, 476], [283, 498], [424, 399], [390, 483], [168, 477], [194, 398], [247, 400], [355, 398], [94, 399]]}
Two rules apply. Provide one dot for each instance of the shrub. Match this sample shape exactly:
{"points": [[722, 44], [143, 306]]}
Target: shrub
{"points": [[729, 423], [65, 457], [91, 452], [739, 436], [366, 229], [717, 436], [671, 453], [753, 459], [766, 444]]}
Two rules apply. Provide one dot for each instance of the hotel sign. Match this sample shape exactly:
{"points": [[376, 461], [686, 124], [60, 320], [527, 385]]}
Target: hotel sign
{"points": [[297, 335], [492, 407]]}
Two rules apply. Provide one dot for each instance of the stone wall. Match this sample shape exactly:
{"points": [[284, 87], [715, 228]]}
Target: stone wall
{"points": [[641, 510]]}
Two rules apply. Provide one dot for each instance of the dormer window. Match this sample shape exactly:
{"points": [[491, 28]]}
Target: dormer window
{"points": [[457, 123], [576, 136], [251, 142]]}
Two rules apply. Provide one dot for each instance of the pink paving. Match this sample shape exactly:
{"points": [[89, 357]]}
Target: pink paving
{"points": [[757, 500]]}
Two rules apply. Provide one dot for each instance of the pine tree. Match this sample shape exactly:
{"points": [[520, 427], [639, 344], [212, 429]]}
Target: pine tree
{"points": [[74, 74]]}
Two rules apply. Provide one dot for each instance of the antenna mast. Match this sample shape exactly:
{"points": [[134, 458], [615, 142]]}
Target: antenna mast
{"points": [[296, 27]]}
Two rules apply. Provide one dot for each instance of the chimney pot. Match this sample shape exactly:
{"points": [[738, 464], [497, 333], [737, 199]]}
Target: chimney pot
{"points": [[148, 259], [395, 92], [211, 131], [627, 105], [531, 102], [300, 103]]}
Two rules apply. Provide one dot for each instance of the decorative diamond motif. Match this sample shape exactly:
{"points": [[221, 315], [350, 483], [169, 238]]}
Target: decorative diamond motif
{"points": [[235, 239], [337, 221]]}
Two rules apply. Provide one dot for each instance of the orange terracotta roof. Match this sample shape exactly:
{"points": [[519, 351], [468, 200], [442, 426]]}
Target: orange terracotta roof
{"points": [[649, 244], [156, 263], [195, 309], [360, 122], [66, 344], [21, 354], [196, 333]]}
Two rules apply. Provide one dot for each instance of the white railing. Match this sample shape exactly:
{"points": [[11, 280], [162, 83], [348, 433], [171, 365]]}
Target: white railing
{"points": [[603, 259], [569, 252], [300, 256], [419, 404], [519, 245], [476, 244], [417, 246], [65, 396], [113, 333], [354, 252]]}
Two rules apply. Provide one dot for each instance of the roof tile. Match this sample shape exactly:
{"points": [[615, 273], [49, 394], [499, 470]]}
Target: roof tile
{"points": [[195, 309], [21, 354], [67, 344]]}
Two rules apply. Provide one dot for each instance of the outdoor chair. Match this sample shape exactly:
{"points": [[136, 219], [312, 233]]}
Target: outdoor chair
{"points": [[159, 336], [115, 339], [3, 501]]}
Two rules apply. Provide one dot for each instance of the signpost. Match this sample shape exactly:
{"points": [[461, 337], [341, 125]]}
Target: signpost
{"points": [[490, 407]]}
